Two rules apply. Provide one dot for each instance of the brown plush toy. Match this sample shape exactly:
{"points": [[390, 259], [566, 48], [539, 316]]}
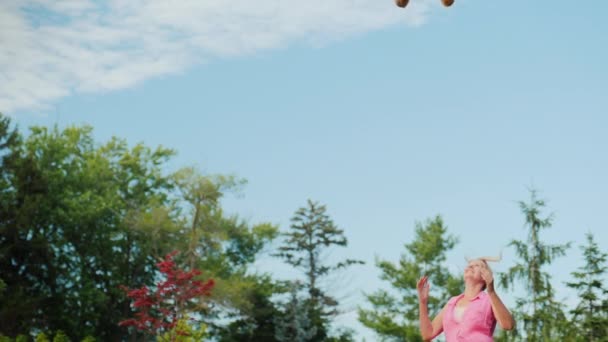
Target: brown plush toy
{"points": [[403, 3]]}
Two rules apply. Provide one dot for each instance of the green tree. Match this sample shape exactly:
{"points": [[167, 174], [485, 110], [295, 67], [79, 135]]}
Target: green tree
{"points": [[143, 227], [294, 323], [394, 315], [312, 233], [184, 332], [21, 256], [60, 337], [542, 315], [16, 308], [255, 322], [41, 337], [591, 313], [66, 238], [22, 338], [78, 219], [225, 246]]}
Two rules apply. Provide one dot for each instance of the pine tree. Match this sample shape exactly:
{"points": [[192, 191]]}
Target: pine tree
{"points": [[591, 313], [543, 317], [312, 233], [294, 324]]}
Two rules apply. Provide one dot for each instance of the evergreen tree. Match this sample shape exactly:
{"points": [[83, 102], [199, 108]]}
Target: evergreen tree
{"points": [[294, 323], [542, 315], [394, 314], [311, 233], [256, 322], [591, 313]]}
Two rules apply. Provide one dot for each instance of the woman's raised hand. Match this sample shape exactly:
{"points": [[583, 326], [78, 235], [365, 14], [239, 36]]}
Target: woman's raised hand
{"points": [[488, 277], [423, 287]]}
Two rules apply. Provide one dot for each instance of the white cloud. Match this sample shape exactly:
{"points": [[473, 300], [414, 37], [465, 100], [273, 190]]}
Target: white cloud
{"points": [[50, 49]]}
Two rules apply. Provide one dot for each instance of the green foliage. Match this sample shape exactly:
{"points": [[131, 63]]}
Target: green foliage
{"points": [[343, 335], [541, 314], [394, 314], [312, 233], [184, 332], [223, 245], [78, 219], [294, 322], [68, 230], [591, 313], [41, 337], [60, 337], [15, 309], [256, 322]]}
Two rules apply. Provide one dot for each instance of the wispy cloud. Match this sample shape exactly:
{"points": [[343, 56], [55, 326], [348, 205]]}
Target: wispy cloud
{"points": [[50, 49]]}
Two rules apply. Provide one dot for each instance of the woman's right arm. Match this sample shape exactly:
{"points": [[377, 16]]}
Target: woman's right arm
{"points": [[428, 329]]}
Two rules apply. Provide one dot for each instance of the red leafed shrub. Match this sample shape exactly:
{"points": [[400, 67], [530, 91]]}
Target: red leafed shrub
{"points": [[160, 310]]}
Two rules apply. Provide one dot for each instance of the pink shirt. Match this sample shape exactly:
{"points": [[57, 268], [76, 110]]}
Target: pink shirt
{"points": [[478, 321]]}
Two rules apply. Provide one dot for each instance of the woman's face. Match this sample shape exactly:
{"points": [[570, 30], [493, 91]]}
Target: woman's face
{"points": [[473, 270]]}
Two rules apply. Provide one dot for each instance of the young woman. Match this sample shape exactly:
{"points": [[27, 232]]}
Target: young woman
{"points": [[470, 316]]}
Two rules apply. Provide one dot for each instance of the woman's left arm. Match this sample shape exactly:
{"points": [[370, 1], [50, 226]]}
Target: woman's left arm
{"points": [[502, 314]]}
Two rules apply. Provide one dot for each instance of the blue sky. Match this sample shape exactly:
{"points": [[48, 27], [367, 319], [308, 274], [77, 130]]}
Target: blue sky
{"points": [[388, 116]]}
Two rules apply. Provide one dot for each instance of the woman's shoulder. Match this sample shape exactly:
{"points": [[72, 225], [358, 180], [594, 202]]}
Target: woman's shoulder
{"points": [[454, 299]]}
